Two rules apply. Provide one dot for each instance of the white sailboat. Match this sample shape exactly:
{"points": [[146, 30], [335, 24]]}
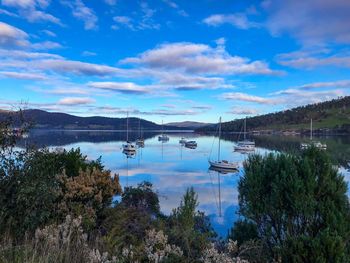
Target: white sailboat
{"points": [[140, 142], [316, 144], [222, 164], [163, 137], [128, 147], [245, 145]]}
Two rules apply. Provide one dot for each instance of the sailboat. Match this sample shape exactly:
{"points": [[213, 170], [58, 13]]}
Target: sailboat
{"points": [[318, 145], [163, 137], [245, 145], [222, 164], [128, 147], [140, 142]]}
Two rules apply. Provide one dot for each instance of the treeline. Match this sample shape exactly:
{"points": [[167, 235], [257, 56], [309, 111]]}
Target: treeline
{"points": [[55, 120], [332, 114]]}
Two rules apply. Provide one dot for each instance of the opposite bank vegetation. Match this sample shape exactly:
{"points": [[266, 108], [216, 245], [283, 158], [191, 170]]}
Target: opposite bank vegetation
{"points": [[57, 206]]}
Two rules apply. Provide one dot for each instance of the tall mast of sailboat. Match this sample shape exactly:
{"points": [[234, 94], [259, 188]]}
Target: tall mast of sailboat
{"points": [[127, 126], [219, 139], [219, 195]]}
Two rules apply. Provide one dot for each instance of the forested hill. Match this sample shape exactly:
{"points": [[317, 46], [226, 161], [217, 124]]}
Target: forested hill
{"points": [[327, 116], [55, 120]]}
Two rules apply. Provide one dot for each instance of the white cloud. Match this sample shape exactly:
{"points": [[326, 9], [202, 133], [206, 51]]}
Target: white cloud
{"points": [[62, 91], [247, 98], [238, 20], [77, 67], [49, 33], [312, 22], [307, 60], [141, 21], [198, 58], [29, 9], [46, 45], [327, 84], [124, 21], [75, 101], [83, 13], [8, 13], [23, 75], [11, 36], [25, 55], [175, 6], [122, 87]]}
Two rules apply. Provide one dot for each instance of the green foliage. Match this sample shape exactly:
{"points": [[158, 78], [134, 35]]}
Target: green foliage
{"points": [[126, 223], [188, 228], [298, 204], [244, 230], [333, 114], [142, 197], [33, 192]]}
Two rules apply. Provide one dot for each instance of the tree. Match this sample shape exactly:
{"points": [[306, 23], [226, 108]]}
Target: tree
{"points": [[125, 225], [299, 205], [39, 187], [188, 228]]}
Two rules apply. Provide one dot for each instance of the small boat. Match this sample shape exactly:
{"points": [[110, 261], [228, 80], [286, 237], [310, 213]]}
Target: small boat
{"points": [[163, 137], [316, 144], [182, 140], [222, 164], [245, 145], [191, 144], [244, 148], [128, 146], [140, 142]]}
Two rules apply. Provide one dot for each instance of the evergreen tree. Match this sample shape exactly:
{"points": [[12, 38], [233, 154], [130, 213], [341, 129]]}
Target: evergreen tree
{"points": [[299, 206]]}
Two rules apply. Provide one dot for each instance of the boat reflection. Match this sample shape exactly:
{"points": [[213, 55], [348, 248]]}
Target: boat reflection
{"points": [[129, 154], [223, 170]]}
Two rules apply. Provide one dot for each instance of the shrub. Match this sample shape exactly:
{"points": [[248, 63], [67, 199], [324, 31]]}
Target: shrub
{"points": [[298, 204]]}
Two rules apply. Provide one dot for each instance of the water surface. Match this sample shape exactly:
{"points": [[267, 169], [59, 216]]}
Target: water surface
{"points": [[172, 168]]}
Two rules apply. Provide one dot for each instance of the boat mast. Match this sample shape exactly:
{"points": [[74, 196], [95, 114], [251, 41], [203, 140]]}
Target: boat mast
{"points": [[127, 126], [219, 139], [220, 214]]}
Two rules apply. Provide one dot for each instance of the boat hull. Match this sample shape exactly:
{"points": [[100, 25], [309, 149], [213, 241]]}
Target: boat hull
{"points": [[224, 165]]}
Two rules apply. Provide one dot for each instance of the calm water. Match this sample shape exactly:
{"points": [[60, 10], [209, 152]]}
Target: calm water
{"points": [[173, 168]]}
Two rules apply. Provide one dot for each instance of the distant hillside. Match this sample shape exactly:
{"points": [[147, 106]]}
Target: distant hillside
{"points": [[187, 124], [54, 120], [328, 117]]}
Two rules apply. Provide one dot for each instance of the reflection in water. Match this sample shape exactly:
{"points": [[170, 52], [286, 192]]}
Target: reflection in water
{"points": [[172, 168]]}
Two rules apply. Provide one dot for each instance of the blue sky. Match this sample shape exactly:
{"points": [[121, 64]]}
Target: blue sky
{"points": [[172, 59]]}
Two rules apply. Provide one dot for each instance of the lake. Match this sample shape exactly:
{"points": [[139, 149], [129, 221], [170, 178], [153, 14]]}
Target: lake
{"points": [[172, 168]]}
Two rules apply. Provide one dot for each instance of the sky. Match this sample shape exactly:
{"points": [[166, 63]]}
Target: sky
{"points": [[172, 60]]}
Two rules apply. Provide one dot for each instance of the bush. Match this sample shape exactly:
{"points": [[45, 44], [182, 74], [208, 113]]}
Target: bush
{"points": [[299, 205], [40, 187]]}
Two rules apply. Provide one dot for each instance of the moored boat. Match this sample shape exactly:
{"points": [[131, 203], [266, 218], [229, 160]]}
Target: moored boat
{"points": [[222, 164]]}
